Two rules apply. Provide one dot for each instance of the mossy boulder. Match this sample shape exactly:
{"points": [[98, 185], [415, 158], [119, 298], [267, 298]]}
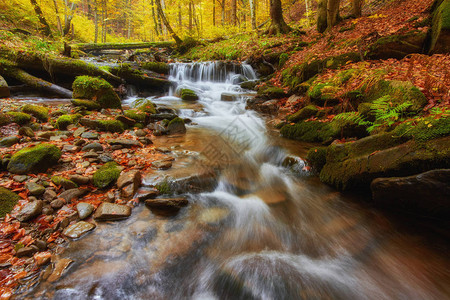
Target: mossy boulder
{"points": [[138, 116], [64, 182], [354, 165], [34, 159], [96, 89], [9, 141], [398, 46], [19, 117], [147, 106], [399, 93], [312, 131], [283, 59], [37, 111], [188, 95], [303, 114], [324, 94], [8, 200], [249, 85], [65, 120], [111, 126], [271, 92], [317, 158], [176, 126], [440, 32], [140, 78], [107, 175], [5, 119], [87, 104], [424, 129], [4, 89], [157, 67]]}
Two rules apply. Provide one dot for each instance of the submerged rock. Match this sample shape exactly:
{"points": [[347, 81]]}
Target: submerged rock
{"points": [[427, 192], [176, 126], [78, 229], [111, 212], [167, 203]]}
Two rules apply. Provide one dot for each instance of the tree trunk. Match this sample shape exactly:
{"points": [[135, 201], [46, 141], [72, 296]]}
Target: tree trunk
{"points": [[233, 12], [190, 18], [180, 20], [166, 23], [58, 19], [322, 16], [278, 25], [45, 27], [96, 22], [214, 13], [357, 8], [332, 13], [154, 18], [68, 16], [253, 13]]}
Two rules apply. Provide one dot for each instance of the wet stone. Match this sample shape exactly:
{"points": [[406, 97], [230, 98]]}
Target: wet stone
{"points": [[126, 143], [26, 131], [80, 143], [84, 210], [166, 203], [105, 158], [73, 194], [60, 266], [49, 195], [93, 146], [79, 179], [90, 135], [9, 141], [90, 154], [79, 131], [140, 133], [70, 148], [162, 164], [34, 188], [78, 229], [20, 178], [57, 203], [111, 212], [26, 251], [30, 210], [144, 194]]}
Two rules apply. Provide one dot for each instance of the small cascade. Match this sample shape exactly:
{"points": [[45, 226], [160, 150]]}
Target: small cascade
{"points": [[211, 72]]}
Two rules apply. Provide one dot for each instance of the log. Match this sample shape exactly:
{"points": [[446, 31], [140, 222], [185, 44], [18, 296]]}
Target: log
{"points": [[55, 65], [141, 78], [10, 70], [122, 46]]}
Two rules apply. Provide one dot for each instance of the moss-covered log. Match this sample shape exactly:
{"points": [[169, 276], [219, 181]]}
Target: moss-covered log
{"points": [[120, 46], [139, 78], [9, 69]]}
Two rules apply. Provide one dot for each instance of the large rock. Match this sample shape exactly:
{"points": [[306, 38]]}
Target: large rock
{"points": [[111, 212], [78, 229], [440, 33], [129, 182], [428, 193], [304, 113], [398, 46], [9, 141], [34, 189], [126, 143], [34, 159], [166, 203], [96, 89], [4, 89], [176, 126], [106, 175], [8, 200], [84, 210], [30, 210], [73, 194], [355, 165]]}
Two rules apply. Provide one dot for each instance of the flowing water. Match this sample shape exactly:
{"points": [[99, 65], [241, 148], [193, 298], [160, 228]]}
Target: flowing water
{"points": [[266, 231]]}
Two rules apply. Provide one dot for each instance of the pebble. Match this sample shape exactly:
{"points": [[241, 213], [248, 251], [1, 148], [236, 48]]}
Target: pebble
{"points": [[57, 203], [49, 195], [90, 135]]}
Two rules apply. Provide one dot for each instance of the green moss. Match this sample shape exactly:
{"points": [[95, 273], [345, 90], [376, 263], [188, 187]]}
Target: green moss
{"points": [[136, 115], [111, 126], [4, 119], [64, 182], [283, 59], [8, 200], [188, 95], [400, 92], [424, 129], [139, 125], [158, 67], [147, 106], [97, 89], [176, 120], [317, 158], [34, 159], [107, 175], [311, 131], [271, 92], [88, 104], [164, 188], [19, 117], [304, 113], [66, 120], [39, 112]]}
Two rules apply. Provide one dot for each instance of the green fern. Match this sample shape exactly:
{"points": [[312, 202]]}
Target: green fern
{"points": [[353, 117]]}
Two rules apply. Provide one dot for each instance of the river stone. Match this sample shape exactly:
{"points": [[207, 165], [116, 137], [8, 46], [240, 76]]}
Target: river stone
{"points": [[76, 230], [72, 194], [9, 141], [129, 183], [228, 97], [30, 210], [427, 192], [84, 210], [125, 120], [4, 90], [49, 195], [34, 159], [26, 131], [79, 131], [57, 203], [127, 143], [166, 203], [60, 266], [213, 216], [26, 251], [176, 126], [162, 164], [111, 212], [93, 146], [34, 188], [160, 117], [79, 179], [90, 135], [144, 194]]}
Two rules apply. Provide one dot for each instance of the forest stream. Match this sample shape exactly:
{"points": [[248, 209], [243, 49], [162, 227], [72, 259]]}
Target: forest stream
{"points": [[267, 230]]}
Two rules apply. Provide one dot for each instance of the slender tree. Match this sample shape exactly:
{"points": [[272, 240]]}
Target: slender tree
{"points": [[234, 12], [332, 12], [278, 25], [58, 19], [166, 23], [357, 8], [253, 13], [45, 27]]}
